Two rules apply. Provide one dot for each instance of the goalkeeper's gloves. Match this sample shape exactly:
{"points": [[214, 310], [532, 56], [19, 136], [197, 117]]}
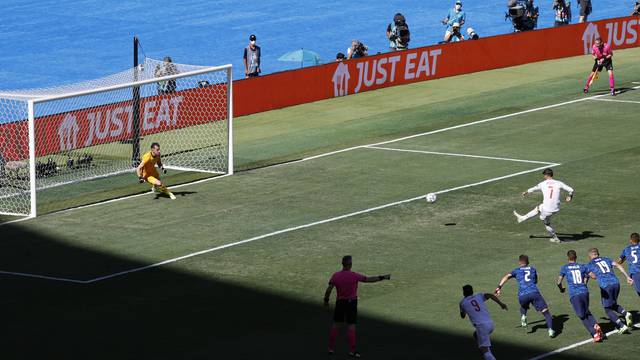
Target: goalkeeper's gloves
{"points": [[384, 277], [562, 289], [140, 179]]}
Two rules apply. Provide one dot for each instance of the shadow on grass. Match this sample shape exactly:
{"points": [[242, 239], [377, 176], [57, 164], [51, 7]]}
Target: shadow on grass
{"points": [[176, 193], [558, 324], [164, 313], [570, 237]]}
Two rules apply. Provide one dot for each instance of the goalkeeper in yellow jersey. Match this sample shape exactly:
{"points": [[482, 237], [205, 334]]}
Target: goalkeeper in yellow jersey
{"points": [[146, 171]]}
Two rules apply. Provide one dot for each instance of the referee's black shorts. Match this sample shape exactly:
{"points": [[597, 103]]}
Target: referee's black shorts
{"points": [[346, 311], [607, 64]]}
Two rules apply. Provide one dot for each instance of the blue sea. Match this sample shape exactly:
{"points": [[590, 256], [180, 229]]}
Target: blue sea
{"points": [[54, 42]]}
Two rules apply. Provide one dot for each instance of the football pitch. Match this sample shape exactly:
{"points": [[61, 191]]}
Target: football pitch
{"points": [[236, 267]]}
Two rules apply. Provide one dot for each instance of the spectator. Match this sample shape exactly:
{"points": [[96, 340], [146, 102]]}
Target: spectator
{"points": [[585, 9], [456, 15], [251, 58], [398, 33], [167, 68], [473, 35], [357, 50], [636, 9], [456, 34], [340, 57], [563, 12]]}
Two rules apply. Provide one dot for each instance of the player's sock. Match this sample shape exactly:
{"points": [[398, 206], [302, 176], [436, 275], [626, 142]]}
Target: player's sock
{"points": [[488, 356], [620, 310], [166, 191], [333, 333], [613, 317], [549, 319], [523, 311], [586, 87], [351, 336], [589, 323], [531, 213], [612, 82]]}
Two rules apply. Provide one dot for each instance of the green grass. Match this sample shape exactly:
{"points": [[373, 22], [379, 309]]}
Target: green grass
{"points": [[262, 299]]}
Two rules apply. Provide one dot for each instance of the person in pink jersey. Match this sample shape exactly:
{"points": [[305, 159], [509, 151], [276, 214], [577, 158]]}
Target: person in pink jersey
{"points": [[346, 284], [602, 54]]}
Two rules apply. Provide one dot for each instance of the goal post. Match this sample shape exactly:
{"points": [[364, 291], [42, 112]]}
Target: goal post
{"points": [[67, 135]]}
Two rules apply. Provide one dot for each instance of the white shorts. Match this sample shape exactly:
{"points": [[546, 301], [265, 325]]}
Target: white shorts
{"points": [[545, 214], [483, 332]]}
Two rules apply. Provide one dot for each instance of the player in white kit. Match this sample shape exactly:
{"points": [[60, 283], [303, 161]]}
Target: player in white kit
{"points": [[550, 202], [473, 305]]}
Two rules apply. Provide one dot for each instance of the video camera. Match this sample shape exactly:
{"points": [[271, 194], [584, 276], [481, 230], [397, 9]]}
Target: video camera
{"points": [[360, 49], [523, 15]]}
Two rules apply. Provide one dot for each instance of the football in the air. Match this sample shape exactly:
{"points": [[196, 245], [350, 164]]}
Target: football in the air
{"points": [[431, 197]]}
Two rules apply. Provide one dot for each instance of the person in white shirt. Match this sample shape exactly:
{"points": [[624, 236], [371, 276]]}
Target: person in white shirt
{"points": [[550, 189], [474, 306]]}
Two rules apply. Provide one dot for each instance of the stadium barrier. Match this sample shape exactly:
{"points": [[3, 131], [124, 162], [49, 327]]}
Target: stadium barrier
{"points": [[396, 68]]}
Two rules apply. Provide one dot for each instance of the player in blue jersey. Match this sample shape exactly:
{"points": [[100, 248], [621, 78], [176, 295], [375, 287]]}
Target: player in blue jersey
{"points": [[601, 268], [528, 292], [632, 255], [577, 277]]}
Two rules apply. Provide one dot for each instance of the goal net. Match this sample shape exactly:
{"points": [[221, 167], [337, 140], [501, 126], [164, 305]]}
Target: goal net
{"points": [[100, 128]]}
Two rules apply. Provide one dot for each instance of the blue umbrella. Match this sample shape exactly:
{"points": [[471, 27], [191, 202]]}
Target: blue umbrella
{"points": [[301, 56]]}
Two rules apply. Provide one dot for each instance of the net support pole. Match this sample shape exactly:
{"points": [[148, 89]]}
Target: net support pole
{"points": [[135, 156], [230, 117], [32, 158]]}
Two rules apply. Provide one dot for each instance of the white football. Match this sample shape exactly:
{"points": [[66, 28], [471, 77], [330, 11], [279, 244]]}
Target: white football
{"points": [[431, 197]]}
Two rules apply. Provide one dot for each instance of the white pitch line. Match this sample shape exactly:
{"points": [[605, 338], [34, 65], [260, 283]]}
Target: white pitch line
{"points": [[53, 278], [619, 101], [569, 347], [496, 179], [460, 155]]}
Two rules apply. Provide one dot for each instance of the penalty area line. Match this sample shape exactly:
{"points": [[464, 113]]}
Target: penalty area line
{"points": [[461, 155]]}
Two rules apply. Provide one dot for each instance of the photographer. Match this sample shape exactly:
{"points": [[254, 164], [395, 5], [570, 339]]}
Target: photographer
{"points": [[398, 33], [563, 12], [585, 9], [455, 16], [456, 35], [523, 15], [165, 69], [357, 50], [636, 9]]}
